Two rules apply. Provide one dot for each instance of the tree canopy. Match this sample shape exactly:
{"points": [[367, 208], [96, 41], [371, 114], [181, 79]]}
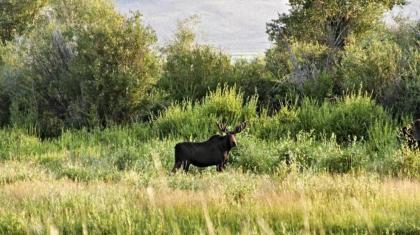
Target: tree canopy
{"points": [[16, 16], [328, 22]]}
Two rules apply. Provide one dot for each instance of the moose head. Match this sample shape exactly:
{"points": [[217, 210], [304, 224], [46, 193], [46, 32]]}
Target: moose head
{"points": [[231, 134]]}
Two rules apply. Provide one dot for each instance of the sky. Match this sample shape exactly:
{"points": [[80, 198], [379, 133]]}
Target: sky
{"points": [[235, 26]]}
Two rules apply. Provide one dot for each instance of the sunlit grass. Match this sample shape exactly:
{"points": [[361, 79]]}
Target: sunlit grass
{"points": [[231, 202]]}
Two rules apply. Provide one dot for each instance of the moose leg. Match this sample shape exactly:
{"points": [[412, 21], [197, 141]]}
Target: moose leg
{"points": [[224, 164], [219, 167], [186, 165], [176, 166]]}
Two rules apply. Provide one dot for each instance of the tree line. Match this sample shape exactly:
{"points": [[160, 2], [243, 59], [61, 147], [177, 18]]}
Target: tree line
{"points": [[82, 64]]}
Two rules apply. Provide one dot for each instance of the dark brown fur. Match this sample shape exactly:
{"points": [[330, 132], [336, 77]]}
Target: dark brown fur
{"points": [[214, 151]]}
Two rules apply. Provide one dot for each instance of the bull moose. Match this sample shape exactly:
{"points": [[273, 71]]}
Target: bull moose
{"points": [[214, 151], [411, 134]]}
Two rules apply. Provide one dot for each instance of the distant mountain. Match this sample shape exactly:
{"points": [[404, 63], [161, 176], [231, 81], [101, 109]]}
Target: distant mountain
{"points": [[237, 26]]}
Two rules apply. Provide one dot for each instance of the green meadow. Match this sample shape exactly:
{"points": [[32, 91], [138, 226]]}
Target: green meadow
{"points": [[91, 108], [118, 180]]}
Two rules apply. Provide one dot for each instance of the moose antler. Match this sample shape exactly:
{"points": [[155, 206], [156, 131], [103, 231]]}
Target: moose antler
{"points": [[222, 127], [240, 127]]}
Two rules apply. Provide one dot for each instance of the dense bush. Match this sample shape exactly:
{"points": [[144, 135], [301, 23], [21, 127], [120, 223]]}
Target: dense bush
{"points": [[301, 69], [349, 117], [303, 152], [402, 96], [198, 119], [191, 70], [386, 63], [86, 65], [252, 77], [375, 62], [299, 61], [17, 17]]}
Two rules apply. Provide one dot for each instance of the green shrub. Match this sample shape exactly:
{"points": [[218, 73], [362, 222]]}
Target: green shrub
{"points": [[402, 98], [86, 65], [350, 116], [17, 144], [382, 138], [283, 123], [198, 120], [304, 152], [320, 87], [373, 62], [253, 78], [406, 163], [11, 223], [381, 60], [191, 70], [386, 63], [302, 69]]}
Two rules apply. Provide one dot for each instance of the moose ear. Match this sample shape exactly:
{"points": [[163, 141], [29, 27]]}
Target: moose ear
{"points": [[222, 127], [239, 128]]}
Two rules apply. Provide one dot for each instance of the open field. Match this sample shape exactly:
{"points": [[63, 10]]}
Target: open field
{"points": [[35, 201], [107, 182]]}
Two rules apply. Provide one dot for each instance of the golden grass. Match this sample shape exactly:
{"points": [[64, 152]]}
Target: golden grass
{"points": [[215, 204]]}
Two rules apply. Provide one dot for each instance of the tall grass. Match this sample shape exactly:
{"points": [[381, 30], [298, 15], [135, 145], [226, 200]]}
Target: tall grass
{"points": [[224, 203]]}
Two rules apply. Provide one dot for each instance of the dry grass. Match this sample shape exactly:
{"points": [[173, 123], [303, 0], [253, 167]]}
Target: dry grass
{"points": [[231, 202]]}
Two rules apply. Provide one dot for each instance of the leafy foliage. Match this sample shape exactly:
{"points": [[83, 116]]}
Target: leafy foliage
{"points": [[192, 70], [342, 118], [328, 22], [385, 62], [223, 105], [86, 66], [16, 17]]}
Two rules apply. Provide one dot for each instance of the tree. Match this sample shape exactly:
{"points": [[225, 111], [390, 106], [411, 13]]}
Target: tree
{"points": [[191, 70], [327, 22], [310, 39], [85, 65], [16, 16]]}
